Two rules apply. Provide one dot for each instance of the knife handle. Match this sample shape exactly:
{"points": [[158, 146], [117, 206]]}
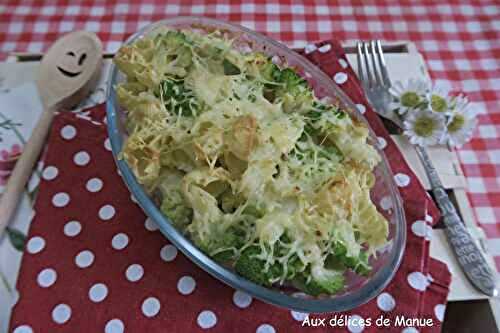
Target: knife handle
{"points": [[468, 254]]}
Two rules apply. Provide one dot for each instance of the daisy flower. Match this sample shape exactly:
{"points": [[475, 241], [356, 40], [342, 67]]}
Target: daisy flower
{"points": [[424, 127], [407, 96], [439, 100], [461, 123]]}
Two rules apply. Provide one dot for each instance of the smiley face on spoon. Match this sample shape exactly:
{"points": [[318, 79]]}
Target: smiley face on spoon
{"points": [[72, 62]]}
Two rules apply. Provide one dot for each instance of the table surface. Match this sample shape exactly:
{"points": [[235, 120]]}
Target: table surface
{"points": [[460, 41]]}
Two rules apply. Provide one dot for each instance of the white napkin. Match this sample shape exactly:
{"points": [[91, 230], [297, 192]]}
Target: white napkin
{"points": [[20, 108]]}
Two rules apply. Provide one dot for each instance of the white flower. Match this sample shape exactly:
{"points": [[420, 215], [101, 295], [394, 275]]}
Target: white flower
{"points": [[439, 100], [424, 127], [407, 96], [461, 123]]}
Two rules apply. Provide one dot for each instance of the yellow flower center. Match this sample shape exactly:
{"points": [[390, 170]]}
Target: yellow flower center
{"points": [[456, 124], [410, 99], [438, 103], [424, 126]]}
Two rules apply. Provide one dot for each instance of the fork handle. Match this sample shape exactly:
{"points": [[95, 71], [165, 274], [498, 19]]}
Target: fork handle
{"points": [[468, 254]]}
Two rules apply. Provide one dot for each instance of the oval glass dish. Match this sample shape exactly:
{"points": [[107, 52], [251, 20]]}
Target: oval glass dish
{"points": [[358, 289]]}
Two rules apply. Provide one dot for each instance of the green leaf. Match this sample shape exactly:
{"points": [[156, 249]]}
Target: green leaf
{"points": [[17, 238], [5, 282]]}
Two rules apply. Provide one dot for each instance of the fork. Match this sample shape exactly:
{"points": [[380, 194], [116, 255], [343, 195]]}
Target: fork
{"points": [[372, 71]]}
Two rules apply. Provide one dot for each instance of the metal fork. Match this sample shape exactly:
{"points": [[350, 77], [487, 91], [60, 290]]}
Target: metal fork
{"points": [[372, 71]]}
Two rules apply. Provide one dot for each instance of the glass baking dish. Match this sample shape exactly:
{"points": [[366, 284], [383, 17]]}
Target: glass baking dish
{"points": [[358, 289]]}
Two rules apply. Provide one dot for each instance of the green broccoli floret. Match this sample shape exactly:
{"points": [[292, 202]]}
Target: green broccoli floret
{"points": [[174, 207], [175, 39], [254, 269], [293, 83], [270, 72], [178, 98], [226, 247], [322, 281], [358, 264], [179, 47]]}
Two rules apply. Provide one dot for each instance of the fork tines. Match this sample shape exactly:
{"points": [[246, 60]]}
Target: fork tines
{"points": [[372, 69]]}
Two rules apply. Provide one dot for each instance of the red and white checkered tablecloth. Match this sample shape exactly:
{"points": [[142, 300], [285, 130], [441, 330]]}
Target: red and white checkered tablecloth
{"points": [[460, 41]]}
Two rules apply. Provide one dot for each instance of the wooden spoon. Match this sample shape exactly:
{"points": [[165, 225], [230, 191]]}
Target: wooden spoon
{"points": [[68, 72]]}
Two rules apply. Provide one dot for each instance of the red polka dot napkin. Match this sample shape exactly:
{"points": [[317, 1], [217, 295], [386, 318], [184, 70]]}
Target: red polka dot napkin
{"points": [[95, 263]]}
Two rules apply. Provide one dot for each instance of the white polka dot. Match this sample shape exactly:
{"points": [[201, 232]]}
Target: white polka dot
{"points": [[134, 272], [356, 324], [343, 63], [439, 312], [361, 108], [386, 203], [81, 158], [23, 329], [149, 224], [106, 212], [114, 326], [402, 180], [421, 229], [68, 132], [50, 173], [107, 144], [265, 328], [418, 281], [299, 316], [386, 302], [242, 299], [98, 292], [325, 48], [61, 313], [409, 330], [186, 285], [84, 259], [340, 77], [94, 185], [35, 244], [206, 319], [151, 307], [310, 48], [428, 218], [119, 241], [381, 142], [168, 252], [46, 277], [60, 199], [72, 228]]}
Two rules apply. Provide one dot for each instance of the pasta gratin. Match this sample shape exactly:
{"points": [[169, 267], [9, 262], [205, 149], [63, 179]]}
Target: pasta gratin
{"points": [[243, 159]]}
